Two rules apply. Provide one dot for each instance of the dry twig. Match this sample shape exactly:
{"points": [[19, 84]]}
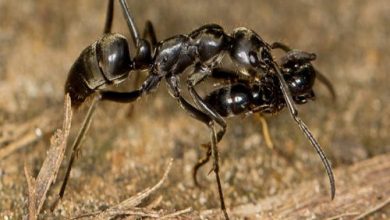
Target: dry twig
{"points": [[373, 209], [362, 189], [129, 207], [39, 187], [16, 136], [28, 138]]}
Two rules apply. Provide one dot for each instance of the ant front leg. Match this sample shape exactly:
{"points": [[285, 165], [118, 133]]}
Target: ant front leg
{"points": [[201, 162], [208, 120], [198, 76], [228, 77]]}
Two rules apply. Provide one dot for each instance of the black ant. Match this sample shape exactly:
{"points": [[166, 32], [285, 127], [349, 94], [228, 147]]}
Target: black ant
{"points": [[108, 61], [242, 96]]}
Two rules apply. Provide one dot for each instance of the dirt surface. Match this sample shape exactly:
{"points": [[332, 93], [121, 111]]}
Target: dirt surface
{"points": [[127, 149]]}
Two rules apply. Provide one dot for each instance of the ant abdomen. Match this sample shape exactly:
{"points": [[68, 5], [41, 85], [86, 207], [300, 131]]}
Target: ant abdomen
{"points": [[230, 100], [107, 61]]}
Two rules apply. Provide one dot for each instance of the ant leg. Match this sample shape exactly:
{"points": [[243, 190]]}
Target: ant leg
{"points": [[191, 82], [294, 114], [265, 131], [324, 80], [150, 32], [198, 76], [172, 83], [201, 162], [268, 139], [109, 16], [130, 22], [123, 97], [214, 153], [76, 147], [195, 78], [321, 77], [143, 57], [225, 75], [134, 84], [280, 45]]}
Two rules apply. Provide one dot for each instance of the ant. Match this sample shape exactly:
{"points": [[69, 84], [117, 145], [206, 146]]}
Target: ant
{"points": [[108, 61], [241, 96]]}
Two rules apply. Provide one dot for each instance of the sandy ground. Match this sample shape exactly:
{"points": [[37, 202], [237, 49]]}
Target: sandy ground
{"points": [[122, 154]]}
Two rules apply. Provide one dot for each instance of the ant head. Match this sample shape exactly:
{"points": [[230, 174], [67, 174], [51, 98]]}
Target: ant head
{"points": [[299, 74], [250, 52]]}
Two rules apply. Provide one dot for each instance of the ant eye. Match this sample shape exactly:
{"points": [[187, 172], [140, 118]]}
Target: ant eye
{"points": [[253, 59]]}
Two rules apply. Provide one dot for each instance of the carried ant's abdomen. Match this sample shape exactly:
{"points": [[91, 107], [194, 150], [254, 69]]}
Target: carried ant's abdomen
{"points": [[107, 61], [230, 100]]}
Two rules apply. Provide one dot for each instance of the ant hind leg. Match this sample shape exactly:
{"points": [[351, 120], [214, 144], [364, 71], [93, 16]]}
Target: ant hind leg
{"points": [[123, 97], [109, 17], [76, 147], [151, 33]]}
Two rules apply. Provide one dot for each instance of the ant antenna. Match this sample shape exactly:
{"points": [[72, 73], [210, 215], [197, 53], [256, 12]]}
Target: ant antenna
{"points": [[306, 131]]}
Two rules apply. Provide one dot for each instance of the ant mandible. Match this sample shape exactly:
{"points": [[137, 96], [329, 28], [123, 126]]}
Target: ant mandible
{"points": [[108, 61]]}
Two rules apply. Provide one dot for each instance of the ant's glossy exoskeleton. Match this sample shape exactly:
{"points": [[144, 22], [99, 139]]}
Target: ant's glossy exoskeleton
{"points": [[269, 86], [241, 96]]}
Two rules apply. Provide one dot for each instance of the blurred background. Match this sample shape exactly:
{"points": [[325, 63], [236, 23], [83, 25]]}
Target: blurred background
{"points": [[128, 148]]}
